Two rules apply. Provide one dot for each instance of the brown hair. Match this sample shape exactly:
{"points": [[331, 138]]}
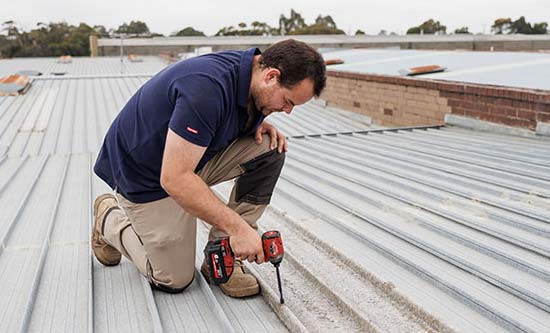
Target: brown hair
{"points": [[296, 61]]}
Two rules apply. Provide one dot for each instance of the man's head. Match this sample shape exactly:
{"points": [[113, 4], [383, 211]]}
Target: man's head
{"points": [[287, 73]]}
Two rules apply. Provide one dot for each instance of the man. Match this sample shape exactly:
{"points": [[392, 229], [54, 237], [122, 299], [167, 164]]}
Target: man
{"points": [[197, 123]]}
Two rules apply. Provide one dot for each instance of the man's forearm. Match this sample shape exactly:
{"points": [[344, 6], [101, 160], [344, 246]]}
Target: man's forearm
{"points": [[192, 193]]}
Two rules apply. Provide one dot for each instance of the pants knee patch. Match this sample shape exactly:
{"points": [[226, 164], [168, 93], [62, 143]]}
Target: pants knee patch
{"points": [[256, 185]]}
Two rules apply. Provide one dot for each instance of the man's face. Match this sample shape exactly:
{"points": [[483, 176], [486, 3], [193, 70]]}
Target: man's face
{"points": [[269, 96]]}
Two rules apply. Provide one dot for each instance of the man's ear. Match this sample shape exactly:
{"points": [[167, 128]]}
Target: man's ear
{"points": [[272, 75]]}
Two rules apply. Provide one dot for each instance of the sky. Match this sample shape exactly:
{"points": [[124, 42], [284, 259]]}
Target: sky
{"points": [[209, 16]]}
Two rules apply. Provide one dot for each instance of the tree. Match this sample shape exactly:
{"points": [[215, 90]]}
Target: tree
{"points": [[101, 31], [520, 26], [317, 29], [189, 31], [292, 23], [134, 28], [463, 30], [326, 21], [501, 25], [359, 32], [11, 28], [540, 28], [256, 29], [428, 27], [47, 40], [324, 25]]}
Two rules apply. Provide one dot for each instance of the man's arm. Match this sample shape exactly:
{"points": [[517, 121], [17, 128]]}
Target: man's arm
{"points": [[179, 180]]}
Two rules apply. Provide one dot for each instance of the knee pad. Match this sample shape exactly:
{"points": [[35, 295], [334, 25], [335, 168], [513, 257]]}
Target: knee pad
{"points": [[256, 185]]}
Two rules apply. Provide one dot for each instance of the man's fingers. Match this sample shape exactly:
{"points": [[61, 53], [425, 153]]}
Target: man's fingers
{"points": [[260, 258], [273, 135], [258, 135], [281, 144]]}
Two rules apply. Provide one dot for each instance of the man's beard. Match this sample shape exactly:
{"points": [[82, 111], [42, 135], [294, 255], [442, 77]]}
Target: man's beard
{"points": [[258, 105]]}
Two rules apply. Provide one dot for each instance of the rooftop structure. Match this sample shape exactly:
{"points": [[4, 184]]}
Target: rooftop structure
{"points": [[433, 228]]}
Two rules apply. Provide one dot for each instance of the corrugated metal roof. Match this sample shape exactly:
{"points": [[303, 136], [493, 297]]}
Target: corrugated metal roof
{"points": [[82, 66], [72, 116], [515, 69], [385, 230]]}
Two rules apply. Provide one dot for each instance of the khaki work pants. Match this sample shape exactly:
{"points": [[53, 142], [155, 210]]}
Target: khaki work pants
{"points": [[159, 237]]}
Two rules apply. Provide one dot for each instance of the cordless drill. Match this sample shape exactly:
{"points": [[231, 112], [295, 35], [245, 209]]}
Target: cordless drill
{"points": [[220, 257]]}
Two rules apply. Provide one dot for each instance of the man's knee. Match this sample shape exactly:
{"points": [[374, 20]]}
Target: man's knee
{"points": [[175, 282]]}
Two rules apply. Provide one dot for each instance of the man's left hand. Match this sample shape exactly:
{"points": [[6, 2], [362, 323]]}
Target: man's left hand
{"points": [[278, 139]]}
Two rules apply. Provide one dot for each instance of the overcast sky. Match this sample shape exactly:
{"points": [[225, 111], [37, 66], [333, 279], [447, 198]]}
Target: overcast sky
{"points": [[165, 16]]}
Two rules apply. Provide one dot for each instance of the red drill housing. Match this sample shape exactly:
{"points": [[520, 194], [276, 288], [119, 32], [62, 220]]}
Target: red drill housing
{"points": [[273, 247]]}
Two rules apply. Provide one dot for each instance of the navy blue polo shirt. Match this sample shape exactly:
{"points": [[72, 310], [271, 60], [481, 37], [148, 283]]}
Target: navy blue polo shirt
{"points": [[204, 100]]}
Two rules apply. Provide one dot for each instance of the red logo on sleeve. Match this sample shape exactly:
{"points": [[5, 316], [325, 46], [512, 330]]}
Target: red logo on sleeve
{"points": [[192, 130]]}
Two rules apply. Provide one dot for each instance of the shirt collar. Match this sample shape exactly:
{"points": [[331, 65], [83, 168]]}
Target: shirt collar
{"points": [[245, 75]]}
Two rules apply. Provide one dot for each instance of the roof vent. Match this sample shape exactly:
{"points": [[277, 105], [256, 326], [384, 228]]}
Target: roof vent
{"points": [[13, 85], [29, 73], [134, 58], [66, 59], [422, 70], [329, 62], [58, 73]]}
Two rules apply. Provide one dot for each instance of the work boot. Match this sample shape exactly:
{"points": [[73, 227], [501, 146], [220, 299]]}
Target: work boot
{"points": [[240, 284], [105, 253]]}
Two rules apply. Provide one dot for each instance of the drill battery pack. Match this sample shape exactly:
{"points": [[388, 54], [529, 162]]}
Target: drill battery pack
{"points": [[220, 260]]}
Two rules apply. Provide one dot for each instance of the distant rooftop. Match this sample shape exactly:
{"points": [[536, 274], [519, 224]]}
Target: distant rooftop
{"points": [[513, 69], [82, 66]]}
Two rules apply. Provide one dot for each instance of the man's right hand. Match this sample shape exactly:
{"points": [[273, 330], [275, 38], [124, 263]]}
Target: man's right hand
{"points": [[178, 164], [247, 244]]}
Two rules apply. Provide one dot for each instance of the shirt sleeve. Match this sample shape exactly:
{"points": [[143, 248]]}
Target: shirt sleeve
{"points": [[198, 108]]}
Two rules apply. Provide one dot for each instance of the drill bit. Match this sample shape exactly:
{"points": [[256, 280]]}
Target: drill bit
{"points": [[279, 282]]}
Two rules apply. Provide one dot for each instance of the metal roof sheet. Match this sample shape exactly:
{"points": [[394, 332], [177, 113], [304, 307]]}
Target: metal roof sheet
{"points": [[82, 66], [515, 69], [438, 229], [72, 116]]}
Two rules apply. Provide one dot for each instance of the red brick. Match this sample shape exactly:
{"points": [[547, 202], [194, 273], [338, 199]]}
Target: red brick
{"points": [[541, 107], [527, 115], [473, 114], [543, 117], [454, 103], [516, 103]]}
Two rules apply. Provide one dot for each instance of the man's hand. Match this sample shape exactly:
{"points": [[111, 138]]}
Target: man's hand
{"points": [[179, 180], [277, 138], [247, 245]]}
